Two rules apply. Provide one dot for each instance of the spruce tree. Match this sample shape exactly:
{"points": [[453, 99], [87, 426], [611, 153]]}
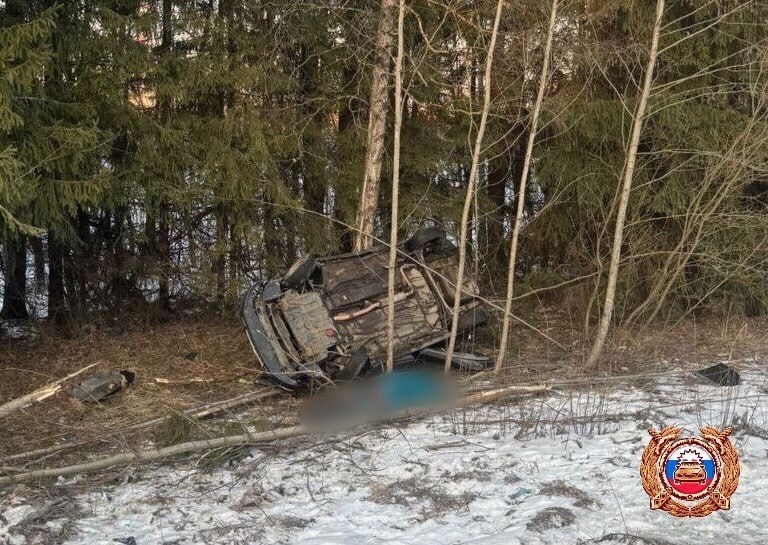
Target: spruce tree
{"points": [[24, 54]]}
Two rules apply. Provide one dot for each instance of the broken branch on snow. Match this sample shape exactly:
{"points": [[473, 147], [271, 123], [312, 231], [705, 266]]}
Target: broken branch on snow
{"points": [[151, 455]]}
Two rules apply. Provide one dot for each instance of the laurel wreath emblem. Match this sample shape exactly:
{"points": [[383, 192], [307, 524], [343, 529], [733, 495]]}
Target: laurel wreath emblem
{"points": [[660, 494]]}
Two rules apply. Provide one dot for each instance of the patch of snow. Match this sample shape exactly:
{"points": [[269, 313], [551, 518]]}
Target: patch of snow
{"points": [[9, 519], [560, 469]]}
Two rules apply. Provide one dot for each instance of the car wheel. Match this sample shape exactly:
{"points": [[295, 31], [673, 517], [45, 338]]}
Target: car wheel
{"points": [[425, 239], [299, 273]]}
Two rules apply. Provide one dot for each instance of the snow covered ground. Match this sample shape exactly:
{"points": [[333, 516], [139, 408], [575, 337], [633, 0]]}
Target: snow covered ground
{"points": [[559, 469]]}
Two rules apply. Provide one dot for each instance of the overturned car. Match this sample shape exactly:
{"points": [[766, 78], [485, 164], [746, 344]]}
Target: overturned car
{"points": [[326, 318]]}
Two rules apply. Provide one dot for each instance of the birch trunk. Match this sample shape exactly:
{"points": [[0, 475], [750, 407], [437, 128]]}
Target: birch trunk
{"points": [[15, 293], [471, 188], [543, 78], [377, 121], [395, 191], [629, 170], [40, 394]]}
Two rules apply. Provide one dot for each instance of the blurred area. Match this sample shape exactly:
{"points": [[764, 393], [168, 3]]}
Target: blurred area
{"points": [[378, 398]]}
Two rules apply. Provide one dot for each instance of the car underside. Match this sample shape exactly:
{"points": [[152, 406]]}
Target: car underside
{"points": [[325, 320]]}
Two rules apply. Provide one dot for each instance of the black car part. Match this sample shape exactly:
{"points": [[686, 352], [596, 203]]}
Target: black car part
{"points": [[300, 272], [431, 238], [99, 386]]}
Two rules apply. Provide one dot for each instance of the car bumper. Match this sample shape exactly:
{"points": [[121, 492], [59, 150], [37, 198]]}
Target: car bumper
{"points": [[263, 339]]}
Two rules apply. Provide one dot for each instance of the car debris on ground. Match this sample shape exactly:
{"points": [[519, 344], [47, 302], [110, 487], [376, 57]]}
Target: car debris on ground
{"points": [[99, 386], [40, 394], [720, 374]]}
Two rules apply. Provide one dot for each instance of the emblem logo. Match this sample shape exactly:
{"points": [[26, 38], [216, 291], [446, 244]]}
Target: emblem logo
{"points": [[690, 477]]}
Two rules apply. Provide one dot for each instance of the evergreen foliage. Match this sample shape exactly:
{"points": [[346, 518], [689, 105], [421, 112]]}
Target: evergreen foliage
{"points": [[170, 151]]}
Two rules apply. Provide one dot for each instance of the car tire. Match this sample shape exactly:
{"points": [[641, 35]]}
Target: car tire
{"points": [[423, 239], [300, 272]]}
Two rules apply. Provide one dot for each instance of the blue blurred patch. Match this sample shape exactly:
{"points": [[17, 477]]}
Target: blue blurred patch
{"points": [[410, 389], [378, 397]]}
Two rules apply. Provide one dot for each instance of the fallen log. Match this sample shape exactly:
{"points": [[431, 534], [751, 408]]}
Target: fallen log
{"points": [[151, 455], [40, 394], [197, 412]]}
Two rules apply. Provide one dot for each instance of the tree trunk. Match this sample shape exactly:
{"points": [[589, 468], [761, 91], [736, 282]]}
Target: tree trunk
{"points": [[36, 246], [629, 170], [15, 290], [471, 188], [395, 191], [271, 257], [494, 243], [161, 245], [56, 303], [377, 120], [167, 31], [164, 256], [220, 257], [235, 255], [316, 227], [343, 234], [543, 77]]}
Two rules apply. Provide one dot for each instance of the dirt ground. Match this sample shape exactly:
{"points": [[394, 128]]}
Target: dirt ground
{"points": [[210, 349], [215, 349]]}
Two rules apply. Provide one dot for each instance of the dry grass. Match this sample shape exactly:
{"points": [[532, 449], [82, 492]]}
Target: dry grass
{"points": [[212, 348], [564, 490], [550, 518], [629, 351], [434, 500], [215, 348]]}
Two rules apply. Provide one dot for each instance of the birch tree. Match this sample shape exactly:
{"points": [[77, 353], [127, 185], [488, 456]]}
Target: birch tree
{"points": [[395, 190], [626, 188], [377, 122], [543, 78], [471, 183]]}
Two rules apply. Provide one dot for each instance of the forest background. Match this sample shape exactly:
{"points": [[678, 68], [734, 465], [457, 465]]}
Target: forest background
{"points": [[162, 155]]}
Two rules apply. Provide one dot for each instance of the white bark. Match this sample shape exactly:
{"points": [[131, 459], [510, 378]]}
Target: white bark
{"points": [[40, 394], [377, 121], [395, 191], [532, 129], [626, 188], [156, 454], [471, 183]]}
